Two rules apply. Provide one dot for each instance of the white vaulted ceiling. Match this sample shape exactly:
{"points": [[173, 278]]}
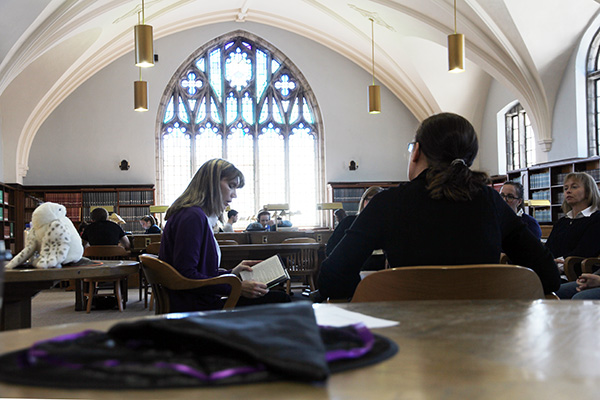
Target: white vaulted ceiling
{"points": [[523, 44]]}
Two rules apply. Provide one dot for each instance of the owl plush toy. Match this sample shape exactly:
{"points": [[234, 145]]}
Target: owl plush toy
{"points": [[52, 240]]}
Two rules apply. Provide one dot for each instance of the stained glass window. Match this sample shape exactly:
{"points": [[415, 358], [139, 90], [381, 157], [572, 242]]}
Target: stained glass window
{"points": [[240, 98]]}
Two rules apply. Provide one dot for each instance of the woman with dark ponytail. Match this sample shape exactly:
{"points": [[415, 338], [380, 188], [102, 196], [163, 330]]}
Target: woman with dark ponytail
{"points": [[445, 215]]}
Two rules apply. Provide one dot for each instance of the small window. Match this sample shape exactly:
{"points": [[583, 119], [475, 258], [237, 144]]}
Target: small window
{"points": [[520, 139], [593, 96]]}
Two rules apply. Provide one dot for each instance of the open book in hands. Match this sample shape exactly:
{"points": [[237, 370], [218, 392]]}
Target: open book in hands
{"points": [[270, 272]]}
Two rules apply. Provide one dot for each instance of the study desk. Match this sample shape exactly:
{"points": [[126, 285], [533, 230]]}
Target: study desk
{"points": [[490, 349], [232, 255], [22, 284]]}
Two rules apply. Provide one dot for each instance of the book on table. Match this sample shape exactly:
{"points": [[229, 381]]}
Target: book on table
{"points": [[270, 272]]}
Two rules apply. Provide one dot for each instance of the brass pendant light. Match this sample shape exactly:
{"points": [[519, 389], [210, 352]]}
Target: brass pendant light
{"points": [[456, 49], [144, 48], [140, 94], [374, 90]]}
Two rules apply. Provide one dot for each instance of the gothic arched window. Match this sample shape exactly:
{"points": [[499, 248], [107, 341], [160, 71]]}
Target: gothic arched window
{"points": [[593, 96], [241, 99], [520, 140]]}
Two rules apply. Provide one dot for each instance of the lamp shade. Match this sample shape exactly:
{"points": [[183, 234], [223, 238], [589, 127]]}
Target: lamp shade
{"points": [[144, 47], [456, 52], [140, 96], [374, 99]]}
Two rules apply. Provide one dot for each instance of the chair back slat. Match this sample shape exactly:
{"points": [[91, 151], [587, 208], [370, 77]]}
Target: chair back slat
{"points": [[456, 282], [163, 276], [98, 252]]}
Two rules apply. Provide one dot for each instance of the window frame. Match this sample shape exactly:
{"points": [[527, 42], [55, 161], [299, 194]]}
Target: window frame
{"points": [[172, 87]]}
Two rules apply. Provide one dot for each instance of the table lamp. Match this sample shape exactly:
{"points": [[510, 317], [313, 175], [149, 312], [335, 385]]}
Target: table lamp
{"points": [[332, 207], [160, 210]]}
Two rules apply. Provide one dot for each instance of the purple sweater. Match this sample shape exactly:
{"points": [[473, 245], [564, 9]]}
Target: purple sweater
{"points": [[188, 244]]}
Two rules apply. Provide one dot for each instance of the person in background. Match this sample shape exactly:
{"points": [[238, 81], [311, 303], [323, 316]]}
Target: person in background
{"points": [[149, 224], [232, 218], [339, 214], [445, 215], [263, 222], [189, 245], [102, 231], [512, 193], [345, 223], [578, 232]]}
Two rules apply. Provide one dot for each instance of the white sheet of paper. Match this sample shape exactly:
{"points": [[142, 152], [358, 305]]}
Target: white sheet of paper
{"points": [[330, 315]]}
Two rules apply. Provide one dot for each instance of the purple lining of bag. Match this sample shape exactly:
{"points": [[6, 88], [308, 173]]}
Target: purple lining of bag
{"points": [[367, 338], [226, 373], [36, 354]]}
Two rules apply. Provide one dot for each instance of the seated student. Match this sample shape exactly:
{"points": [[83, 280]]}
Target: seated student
{"points": [[339, 214], [189, 245], [586, 287], [149, 224], [232, 218], [263, 223], [577, 233], [345, 223], [512, 193], [102, 231], [445, 215]]}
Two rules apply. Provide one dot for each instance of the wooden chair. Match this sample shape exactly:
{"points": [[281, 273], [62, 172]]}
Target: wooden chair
{"points": [[227, 242], [302, 263], [118, 283], [152, 248], [455, 282], [163, 276]]}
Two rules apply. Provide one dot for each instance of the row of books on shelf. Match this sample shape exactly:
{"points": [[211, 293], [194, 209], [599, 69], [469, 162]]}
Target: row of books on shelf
{"points": [[9, 231], [133, 213], [99, 198], [66, 199], [543, 215], [33, 200], [137, 197], [541, 195], [134, 227], [540, 180], [4, 197]]}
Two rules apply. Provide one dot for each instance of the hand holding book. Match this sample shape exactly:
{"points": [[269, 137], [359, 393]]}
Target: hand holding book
{"points": [[271, 272]]}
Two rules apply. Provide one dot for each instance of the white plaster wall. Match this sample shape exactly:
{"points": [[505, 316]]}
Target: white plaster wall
{"points": [[84, 139]]}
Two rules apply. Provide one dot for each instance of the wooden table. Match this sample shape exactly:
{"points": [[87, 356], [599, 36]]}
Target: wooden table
{"points": [[231, 255], [544, 349], [22, 284]]}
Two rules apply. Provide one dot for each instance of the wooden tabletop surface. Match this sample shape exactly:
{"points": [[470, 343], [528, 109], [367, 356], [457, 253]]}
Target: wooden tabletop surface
{"points": [[543, 349], [107, 268]]}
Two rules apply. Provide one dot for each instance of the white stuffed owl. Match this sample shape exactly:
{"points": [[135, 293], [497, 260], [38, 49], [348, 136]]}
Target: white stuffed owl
{"points": [[52, 240]]}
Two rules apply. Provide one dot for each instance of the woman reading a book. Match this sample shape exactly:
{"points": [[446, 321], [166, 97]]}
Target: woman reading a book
{"points": [[445, 215], [189, 245]]}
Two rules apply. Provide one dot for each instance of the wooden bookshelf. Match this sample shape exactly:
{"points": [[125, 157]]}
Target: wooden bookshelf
{"points": [[349, 193], [130, 202], [8, 216], [545, 181]]}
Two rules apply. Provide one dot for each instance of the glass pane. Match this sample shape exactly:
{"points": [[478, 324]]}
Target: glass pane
{"points": [[308, 117], [215, 72], [231, 108], [271, 167], [261, 73], [201, 65], [264, 112], [191, 84], [285, 85], [238, 69], [209, 145], [294, 114], [303, 177], [201, 111], [176, 162], [248, 108], [170, 112], [276, 112], [240, 151], [182, 112], [214, 112], [275, 66]]}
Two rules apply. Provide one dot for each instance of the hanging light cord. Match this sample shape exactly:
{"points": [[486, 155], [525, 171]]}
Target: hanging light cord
{"points": [[144, 16], [454, 16], [373, 48]]}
